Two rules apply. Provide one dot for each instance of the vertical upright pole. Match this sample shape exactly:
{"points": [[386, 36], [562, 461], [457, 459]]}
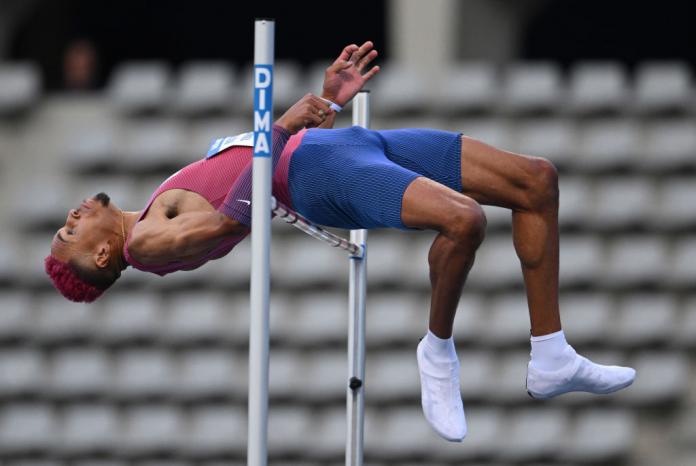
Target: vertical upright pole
{"points": [[355, 401], [257, 454]]}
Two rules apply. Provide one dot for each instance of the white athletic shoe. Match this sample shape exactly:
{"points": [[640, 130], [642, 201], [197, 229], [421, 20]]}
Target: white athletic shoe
{"points": [[580, 375], [441, 397]]}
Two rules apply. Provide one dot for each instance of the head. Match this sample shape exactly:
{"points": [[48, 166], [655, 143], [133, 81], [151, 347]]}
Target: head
{"points": [[86, 256]]}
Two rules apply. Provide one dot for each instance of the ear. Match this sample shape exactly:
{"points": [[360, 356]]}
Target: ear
{"points": [[102, 257]]}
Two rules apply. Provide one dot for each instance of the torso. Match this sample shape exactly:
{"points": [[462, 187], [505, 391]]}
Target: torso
{"points": [[166, 206]]}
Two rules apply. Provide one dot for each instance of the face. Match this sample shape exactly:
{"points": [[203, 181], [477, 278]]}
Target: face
{"points": [[90, 230]]}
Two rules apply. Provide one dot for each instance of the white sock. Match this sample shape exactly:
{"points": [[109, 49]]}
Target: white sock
{"points": [[440, 349], [549, 351]]}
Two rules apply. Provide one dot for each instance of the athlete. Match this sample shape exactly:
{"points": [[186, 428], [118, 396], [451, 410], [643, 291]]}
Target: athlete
{"points": [[354, 178]]}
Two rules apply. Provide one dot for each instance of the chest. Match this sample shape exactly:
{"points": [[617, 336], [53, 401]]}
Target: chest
{"points": [[175, 202]]}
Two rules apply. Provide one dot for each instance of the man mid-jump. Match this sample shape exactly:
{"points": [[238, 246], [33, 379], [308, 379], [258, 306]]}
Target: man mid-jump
{"points": [[354, 178]]}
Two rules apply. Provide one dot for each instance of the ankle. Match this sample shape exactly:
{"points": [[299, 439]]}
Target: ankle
{"points": [[551, 352], [440, 348]]}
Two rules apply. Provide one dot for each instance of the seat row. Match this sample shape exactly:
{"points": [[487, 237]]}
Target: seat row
{"points": [[186, 319], [305, 376], [390, 434], [594, 145], [201, 87], [618, 262]]}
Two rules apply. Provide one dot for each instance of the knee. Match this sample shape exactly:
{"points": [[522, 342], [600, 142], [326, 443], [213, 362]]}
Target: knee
{"points": [[543, 185], [467, 225]]}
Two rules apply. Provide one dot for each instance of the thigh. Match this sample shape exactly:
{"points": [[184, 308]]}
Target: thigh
{"points": [[432, 153], [428, 204], [496, 177]]}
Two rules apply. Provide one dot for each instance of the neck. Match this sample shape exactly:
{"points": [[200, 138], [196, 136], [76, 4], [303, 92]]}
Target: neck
{"points": [[129, 221]]}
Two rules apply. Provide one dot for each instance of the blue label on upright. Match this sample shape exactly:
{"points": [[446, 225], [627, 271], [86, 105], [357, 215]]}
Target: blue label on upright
{"points": [[263, 109]]}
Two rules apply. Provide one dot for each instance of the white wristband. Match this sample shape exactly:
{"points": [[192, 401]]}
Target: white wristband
{"points": [[332, 105]]}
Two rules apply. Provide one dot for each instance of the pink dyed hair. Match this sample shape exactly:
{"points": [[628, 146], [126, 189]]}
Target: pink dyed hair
{"points": [[68, 283]]}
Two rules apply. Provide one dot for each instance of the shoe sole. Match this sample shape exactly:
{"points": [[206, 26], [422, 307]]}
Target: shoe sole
{"points": [[561, 392]]}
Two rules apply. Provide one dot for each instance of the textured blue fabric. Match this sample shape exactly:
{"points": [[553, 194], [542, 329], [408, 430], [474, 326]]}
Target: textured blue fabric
{"points": [[356, 178]]}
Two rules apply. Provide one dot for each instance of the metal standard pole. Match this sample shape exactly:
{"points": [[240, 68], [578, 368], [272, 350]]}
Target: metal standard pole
{"points": [[257, 454], [355, 400]]}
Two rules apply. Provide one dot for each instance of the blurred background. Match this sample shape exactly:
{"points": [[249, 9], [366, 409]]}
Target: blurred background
{"points": [[115, 96]]}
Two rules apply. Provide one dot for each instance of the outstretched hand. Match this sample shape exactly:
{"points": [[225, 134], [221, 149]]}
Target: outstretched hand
{"points": [[344, 78]]}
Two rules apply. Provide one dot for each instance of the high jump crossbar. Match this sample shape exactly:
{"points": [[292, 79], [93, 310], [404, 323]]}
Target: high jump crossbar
{"points": [[262, 203]]}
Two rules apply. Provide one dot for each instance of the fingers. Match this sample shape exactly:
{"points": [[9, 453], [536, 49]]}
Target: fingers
{"points": [[366, 60], [316, 111], [373, 71], [346, 53]]}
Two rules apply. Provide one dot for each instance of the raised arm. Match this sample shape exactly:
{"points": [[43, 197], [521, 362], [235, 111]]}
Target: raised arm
{"points": [[347, 75]]}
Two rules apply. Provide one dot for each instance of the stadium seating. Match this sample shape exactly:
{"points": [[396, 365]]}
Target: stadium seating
{"points": [[155, 372]]}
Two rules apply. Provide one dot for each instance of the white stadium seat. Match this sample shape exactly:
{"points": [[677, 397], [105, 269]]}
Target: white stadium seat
{"points": [[198, 316], [328, 434], [393, 375], [509, 380], [216, 430], [398, 89], [470, 320], [623, 203], [393, 317], [204, 87], [478, 373], [396, 442], [80, 372], [575, 200], [129, 316], [89, 429], [529, 87], [587, 317], [27, 428], [551, 138], [496, 264], [23, 372], [686, 329], [661, 377], [313, 319], [600, 435], [596, 87], [93, 145], [58, 319], [304, 261], [580, 259], [662, 86], [508, 322], [669, 145], [210, 373], [534, 433], [635, 260], [139, 87], [152, 430], [608, 143], [645, 319], [20, 86], [153, 144], [16, 314], [466, 87], [288, 429], [144, 373], [674, 208]]}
